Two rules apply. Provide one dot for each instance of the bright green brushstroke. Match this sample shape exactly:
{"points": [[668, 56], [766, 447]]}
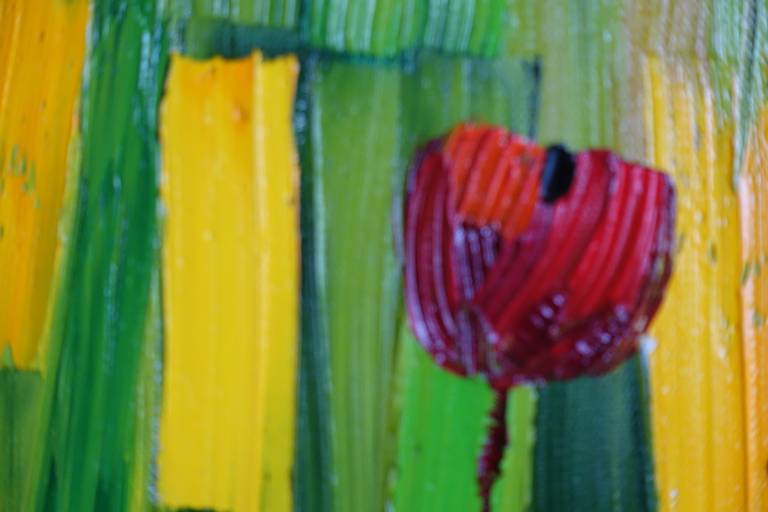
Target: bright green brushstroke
{"points": [[384, 37], [443, 417], [593, 448], [91, 435], [355, 152]]}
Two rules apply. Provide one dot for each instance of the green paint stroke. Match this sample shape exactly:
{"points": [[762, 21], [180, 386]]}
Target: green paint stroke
{"points": [[594, 454], [443, 418], [92, 448], [355, 152]]}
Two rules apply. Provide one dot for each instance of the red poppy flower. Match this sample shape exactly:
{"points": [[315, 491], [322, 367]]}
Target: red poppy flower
{"points": [[526, 265]]}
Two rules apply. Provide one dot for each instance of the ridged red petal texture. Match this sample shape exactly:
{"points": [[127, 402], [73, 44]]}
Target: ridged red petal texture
{"points": [[501, 283]]}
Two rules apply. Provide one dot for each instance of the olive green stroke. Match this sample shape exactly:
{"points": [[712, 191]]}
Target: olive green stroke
{"points": [[355, 151]]}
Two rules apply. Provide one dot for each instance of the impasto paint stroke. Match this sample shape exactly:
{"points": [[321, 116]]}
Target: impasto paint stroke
{"points": [[230, 284]]}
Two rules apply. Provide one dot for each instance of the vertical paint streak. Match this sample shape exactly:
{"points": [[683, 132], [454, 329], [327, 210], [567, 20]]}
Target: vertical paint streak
{"points": [[696, 369], [354, 148], [41, 60], [230, 269], [753, 195], [277, 200]]}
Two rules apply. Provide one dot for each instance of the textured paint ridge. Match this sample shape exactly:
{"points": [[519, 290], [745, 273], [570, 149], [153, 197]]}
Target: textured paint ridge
{"points": [[696, 369], [37, 120], [230, 273]]}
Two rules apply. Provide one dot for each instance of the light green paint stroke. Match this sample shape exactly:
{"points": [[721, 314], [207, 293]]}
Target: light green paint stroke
{"points": [[359, 25], [355, 114], [514, 491], [413, 21], [441, 433], [523, 28], [442, 417], [386, 27]]}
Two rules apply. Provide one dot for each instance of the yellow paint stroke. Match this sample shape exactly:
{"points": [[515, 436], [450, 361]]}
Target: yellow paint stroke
{"points": [[753, 193], [696, 369], [42, 45], [230, 284]]}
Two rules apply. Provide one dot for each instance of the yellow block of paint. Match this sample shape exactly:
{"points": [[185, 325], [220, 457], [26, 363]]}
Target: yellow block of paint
{"points": [[696, 368], [42, 46], [230, 284]]}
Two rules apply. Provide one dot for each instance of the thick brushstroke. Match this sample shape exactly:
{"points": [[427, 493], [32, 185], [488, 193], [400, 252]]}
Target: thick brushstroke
{"points": [[230, 269]]}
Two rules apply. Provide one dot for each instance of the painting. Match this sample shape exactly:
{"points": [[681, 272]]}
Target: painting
{"points": [[383, 255]]}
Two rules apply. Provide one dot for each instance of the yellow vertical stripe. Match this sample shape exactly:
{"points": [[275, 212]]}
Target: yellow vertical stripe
{"points": [[230, 284], [696, 368], [753, 193], [42, 45], [277, 194]]}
